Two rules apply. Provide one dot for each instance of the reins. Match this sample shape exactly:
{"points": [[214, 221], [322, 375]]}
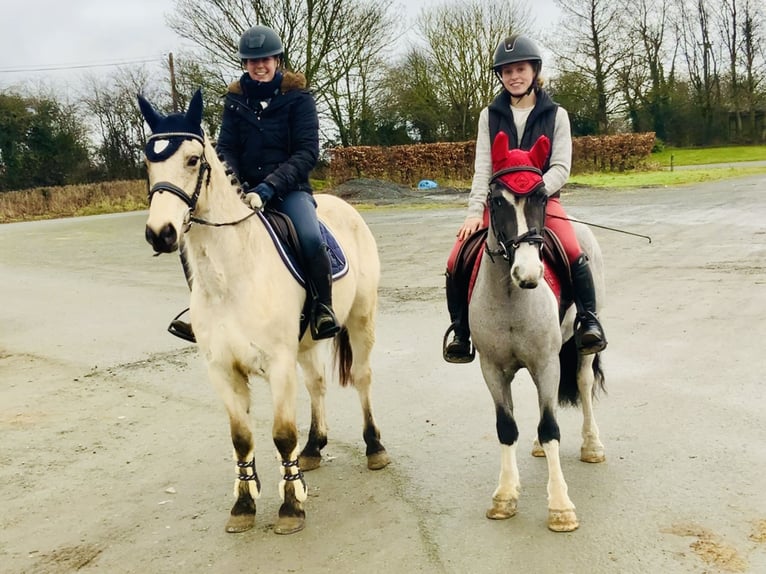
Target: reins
{"points": [[221, 224], [533, 237]]}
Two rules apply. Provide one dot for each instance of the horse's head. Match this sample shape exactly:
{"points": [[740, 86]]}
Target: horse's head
{"points": [[517, 201], [176, 164]]}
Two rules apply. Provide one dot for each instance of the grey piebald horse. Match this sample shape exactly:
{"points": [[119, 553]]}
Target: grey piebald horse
{"points": [[514, 318]]}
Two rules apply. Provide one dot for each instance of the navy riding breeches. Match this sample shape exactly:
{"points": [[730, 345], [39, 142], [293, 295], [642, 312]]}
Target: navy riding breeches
{"points": [[300, 207]]}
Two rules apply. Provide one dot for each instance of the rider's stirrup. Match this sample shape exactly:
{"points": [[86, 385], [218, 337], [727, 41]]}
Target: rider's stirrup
{"points": [[458, 350], [182, 329], [324, 324], [589, 336]]}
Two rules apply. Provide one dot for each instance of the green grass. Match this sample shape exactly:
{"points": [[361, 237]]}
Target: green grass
{"points": [[703, 156], [662, 178]]}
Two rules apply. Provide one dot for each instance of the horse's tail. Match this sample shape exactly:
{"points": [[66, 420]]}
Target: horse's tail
{"points": [[569, 358], [344, 357]]}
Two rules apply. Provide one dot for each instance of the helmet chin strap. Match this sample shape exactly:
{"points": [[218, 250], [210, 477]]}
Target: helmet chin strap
{"points": [[530, 89]]}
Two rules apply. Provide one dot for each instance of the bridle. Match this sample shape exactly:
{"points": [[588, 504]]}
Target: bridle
{"points": [[496, 203], [203, 174], [204, 169]]}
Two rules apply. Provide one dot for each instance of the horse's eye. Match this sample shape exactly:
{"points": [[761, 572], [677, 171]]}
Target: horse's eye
{"points": [[193, 161]]}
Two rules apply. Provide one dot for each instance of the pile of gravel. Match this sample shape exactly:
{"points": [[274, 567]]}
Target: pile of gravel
{"points": [[379, 192]]}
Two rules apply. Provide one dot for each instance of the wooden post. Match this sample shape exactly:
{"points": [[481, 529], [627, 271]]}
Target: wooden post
{"points": [[173, 91]]}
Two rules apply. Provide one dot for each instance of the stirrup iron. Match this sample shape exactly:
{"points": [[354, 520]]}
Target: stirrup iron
{"points": [[457, 359]]}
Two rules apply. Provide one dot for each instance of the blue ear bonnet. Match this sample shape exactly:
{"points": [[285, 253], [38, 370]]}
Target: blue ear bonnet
{"points": [[169, 133]]}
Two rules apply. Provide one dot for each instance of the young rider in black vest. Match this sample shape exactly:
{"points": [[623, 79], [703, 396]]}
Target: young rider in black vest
{"points": [[524, 111]]}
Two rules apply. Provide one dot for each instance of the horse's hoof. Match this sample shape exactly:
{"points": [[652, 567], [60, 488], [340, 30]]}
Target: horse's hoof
{"points": [[562, 520], [502, 509], [587, 455], [378, 460], [289, 524], [537, 450], [307, 463], [240, 523]]}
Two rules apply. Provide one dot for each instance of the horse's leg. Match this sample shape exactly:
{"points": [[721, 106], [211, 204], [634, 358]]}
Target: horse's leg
{"points": [[561, 510], [232, 386], [282, 378], [357, 342], [592, 449], [506, 495], [316, 383]]}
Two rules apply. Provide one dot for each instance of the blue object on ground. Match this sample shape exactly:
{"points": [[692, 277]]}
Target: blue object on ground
{"points": [[427, 184]]}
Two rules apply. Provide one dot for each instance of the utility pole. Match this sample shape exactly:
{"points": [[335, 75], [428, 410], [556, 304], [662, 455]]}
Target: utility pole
{"points": [[173, 91]]}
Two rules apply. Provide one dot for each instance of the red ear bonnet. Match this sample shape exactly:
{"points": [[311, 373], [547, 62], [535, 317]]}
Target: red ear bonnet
{"points": [[520, 181]]}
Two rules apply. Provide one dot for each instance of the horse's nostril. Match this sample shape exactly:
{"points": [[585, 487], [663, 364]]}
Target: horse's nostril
{"points": [[165, 241], [169, 236]]}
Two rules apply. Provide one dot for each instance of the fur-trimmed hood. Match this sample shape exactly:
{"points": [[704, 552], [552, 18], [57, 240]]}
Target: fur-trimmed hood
{"points": [[290, 81]]}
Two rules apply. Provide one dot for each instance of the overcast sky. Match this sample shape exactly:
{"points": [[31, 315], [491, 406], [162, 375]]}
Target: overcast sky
{"points": [[43, 41]]}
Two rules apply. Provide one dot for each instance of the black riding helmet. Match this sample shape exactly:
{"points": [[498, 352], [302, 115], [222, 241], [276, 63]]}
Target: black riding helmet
{"points": [[259, 42], [517, 48]]}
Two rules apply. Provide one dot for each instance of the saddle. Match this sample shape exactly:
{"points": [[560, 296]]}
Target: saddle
{"points": [[558, 275], [285, 238]]}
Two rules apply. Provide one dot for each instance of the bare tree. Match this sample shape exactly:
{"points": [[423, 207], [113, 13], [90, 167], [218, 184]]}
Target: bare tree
{"points": [[644, 78], [729, 26], [412, 100], [594, 43], [696, 36], [334, 43], [460, 41], [112, 104], [754, 60]]}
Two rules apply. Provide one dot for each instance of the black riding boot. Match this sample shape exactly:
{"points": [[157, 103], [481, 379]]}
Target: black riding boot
{"points": [[589, 335], [179, 328], [323, 323], [459, 349]]}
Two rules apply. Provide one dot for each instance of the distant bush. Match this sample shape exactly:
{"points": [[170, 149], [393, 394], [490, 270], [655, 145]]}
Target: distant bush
{"points": [[621, 152], [454, 160], [73, 200], [403, 164]]}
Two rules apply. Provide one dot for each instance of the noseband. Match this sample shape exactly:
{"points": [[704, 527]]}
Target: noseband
{"points": [[498, 204], [204, 169]]}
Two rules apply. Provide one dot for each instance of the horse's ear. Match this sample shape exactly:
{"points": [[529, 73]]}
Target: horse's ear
{"points": [[539, 152], [150, 114], [194, 113], [500, 147]]}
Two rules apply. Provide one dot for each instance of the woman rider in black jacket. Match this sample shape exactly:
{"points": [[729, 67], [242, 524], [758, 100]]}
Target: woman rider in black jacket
{"points": [[270, 138]]}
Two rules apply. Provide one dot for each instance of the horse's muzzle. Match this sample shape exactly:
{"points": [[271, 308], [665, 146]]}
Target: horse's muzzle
{"points": [[166, 241], [527, 277]]}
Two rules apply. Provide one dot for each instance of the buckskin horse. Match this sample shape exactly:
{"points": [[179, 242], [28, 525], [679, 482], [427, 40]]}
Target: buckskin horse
{"points": [[246, 307], [520, 317]]}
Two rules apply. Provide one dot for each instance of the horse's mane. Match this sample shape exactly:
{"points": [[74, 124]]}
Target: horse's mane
{"points": [[229, 171]]}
